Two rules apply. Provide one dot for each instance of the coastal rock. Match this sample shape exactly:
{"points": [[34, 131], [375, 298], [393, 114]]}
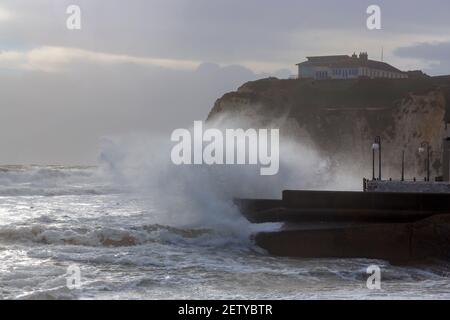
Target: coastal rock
{"points": [[340, 118]]}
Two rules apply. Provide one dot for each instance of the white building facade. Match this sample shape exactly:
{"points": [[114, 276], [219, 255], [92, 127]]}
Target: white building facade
{"points": [[347, 67]]}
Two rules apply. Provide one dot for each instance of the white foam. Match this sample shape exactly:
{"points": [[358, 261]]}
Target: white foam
{"points": [[201, 195]]}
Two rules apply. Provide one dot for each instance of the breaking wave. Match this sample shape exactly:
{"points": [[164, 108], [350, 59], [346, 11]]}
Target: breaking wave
{"points": [[114, 237]]}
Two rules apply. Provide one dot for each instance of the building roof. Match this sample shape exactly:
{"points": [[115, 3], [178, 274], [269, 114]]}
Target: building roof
{"points": [[342, 61], [325, 59]]}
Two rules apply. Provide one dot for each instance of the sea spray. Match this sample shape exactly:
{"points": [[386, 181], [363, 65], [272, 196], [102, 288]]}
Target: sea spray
{"points": [[201, 196]]}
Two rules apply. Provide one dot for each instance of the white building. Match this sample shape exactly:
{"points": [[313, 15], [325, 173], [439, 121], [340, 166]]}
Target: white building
{"points": [[347, 67]]}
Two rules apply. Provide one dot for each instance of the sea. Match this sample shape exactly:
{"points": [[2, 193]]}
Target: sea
{"points": [[72, 232]]}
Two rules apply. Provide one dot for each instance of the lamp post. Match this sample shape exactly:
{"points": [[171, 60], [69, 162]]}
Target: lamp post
{"points": [[425, 146], [403, 165], [376, 146]]}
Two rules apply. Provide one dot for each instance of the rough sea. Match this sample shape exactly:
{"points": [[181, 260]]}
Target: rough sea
{"points": [[127, 245]]}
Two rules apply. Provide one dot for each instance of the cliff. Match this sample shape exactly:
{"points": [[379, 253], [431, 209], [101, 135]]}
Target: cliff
{"points": [[340, 118]]}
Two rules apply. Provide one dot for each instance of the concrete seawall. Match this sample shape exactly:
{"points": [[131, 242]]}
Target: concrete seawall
{"points": [[399, 227], [345, 206], [399, 243]]}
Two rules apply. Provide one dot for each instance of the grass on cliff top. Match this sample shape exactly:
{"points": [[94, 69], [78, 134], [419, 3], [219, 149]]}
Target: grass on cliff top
{"points": [[343, 93]]}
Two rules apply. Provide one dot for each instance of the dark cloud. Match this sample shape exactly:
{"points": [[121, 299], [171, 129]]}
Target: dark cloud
{"points": [[426, 51], [221, 31], [60, 116], [437, 54]]}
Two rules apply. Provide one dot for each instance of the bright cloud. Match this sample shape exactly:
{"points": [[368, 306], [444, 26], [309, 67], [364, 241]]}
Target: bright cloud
{"points": [[57, 59], [5, 14]]}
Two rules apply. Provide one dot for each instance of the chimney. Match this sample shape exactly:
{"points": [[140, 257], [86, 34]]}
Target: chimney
{"points": [[363, 56]]}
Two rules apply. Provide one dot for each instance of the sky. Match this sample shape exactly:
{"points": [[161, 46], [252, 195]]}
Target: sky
{"points": [[151, 66]]}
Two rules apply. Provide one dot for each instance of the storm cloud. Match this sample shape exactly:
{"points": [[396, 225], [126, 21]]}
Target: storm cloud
{"points": [[152, 66], [436, 56]]}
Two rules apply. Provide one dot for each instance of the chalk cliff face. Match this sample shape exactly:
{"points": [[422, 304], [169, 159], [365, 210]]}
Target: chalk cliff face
{"points": [[340, 118]]}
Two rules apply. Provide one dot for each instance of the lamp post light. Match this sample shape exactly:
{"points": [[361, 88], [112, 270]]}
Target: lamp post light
{"points": [[376, 146], [425, 146]]}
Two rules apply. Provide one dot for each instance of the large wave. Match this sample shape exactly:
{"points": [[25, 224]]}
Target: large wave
{"points": [[185, 196], [202, 195]]}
